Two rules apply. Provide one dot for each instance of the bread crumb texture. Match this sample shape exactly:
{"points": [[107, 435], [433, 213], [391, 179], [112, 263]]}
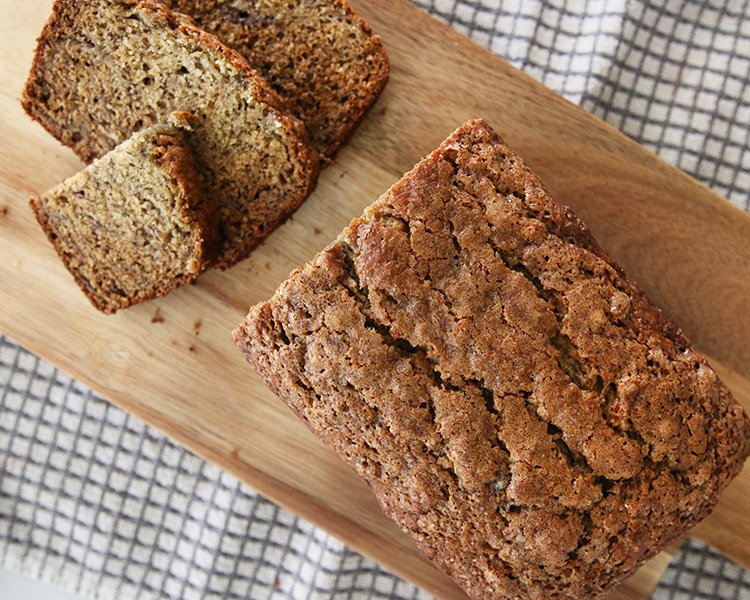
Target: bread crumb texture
{"points": [[319, 55], [107, 68], [515, 402], [132, 225]]}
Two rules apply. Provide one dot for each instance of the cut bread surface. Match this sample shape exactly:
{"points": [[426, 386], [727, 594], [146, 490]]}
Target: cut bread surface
{"points": [[319, 55], [104, 69], [134, 224]]}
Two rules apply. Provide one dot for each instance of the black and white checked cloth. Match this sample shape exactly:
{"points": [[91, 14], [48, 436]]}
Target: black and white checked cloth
{"points": [[96, 502]]}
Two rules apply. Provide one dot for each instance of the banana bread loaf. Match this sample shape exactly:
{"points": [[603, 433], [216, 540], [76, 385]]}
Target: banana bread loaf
{"points": [[515, 402], [106, 68], [133, 225], [319, 55]]}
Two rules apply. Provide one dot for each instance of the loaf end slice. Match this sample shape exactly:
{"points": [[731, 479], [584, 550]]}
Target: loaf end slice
{"points": [[515, 402], [134, 224], [104, 69], [319, 55]]}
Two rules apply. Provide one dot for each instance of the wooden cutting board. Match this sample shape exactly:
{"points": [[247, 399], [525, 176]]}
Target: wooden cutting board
{"points": [[181, 373]]}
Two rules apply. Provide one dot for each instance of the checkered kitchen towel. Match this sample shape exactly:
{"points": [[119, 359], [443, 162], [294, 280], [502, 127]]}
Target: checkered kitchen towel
{"points": [[96, 502]]}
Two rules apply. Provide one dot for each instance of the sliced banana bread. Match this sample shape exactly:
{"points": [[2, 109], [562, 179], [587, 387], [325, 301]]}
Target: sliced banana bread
{"points": [[106, 68], [133, 225], [514, 401], [319, 55]]}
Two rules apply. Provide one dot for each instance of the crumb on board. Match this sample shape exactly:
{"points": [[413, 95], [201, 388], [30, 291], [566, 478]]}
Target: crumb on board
{"points": [[197, 326], [234, 454], [157, 317], [317, 230], [3, 211], [277, 582], [267, 265], [192, 349]]}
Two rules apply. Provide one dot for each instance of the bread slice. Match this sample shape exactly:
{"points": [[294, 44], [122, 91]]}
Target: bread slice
{"points": [[104, 69], [319, 55], [515, 402], [133, 225]]}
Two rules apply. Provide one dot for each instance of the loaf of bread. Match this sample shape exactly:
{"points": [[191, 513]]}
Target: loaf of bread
{"points": [[133, 225], [319, 55], [104, 69], [515, 402]]}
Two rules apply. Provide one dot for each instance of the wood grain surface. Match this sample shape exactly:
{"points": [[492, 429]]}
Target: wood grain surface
{"points": [[689, 248]]}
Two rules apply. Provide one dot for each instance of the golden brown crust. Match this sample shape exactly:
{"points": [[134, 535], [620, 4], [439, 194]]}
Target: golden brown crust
{"points": [[517, 405], [176, 158]]}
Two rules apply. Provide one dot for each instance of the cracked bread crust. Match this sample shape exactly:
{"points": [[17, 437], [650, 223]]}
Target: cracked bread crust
{"points": [[516, 403]]}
